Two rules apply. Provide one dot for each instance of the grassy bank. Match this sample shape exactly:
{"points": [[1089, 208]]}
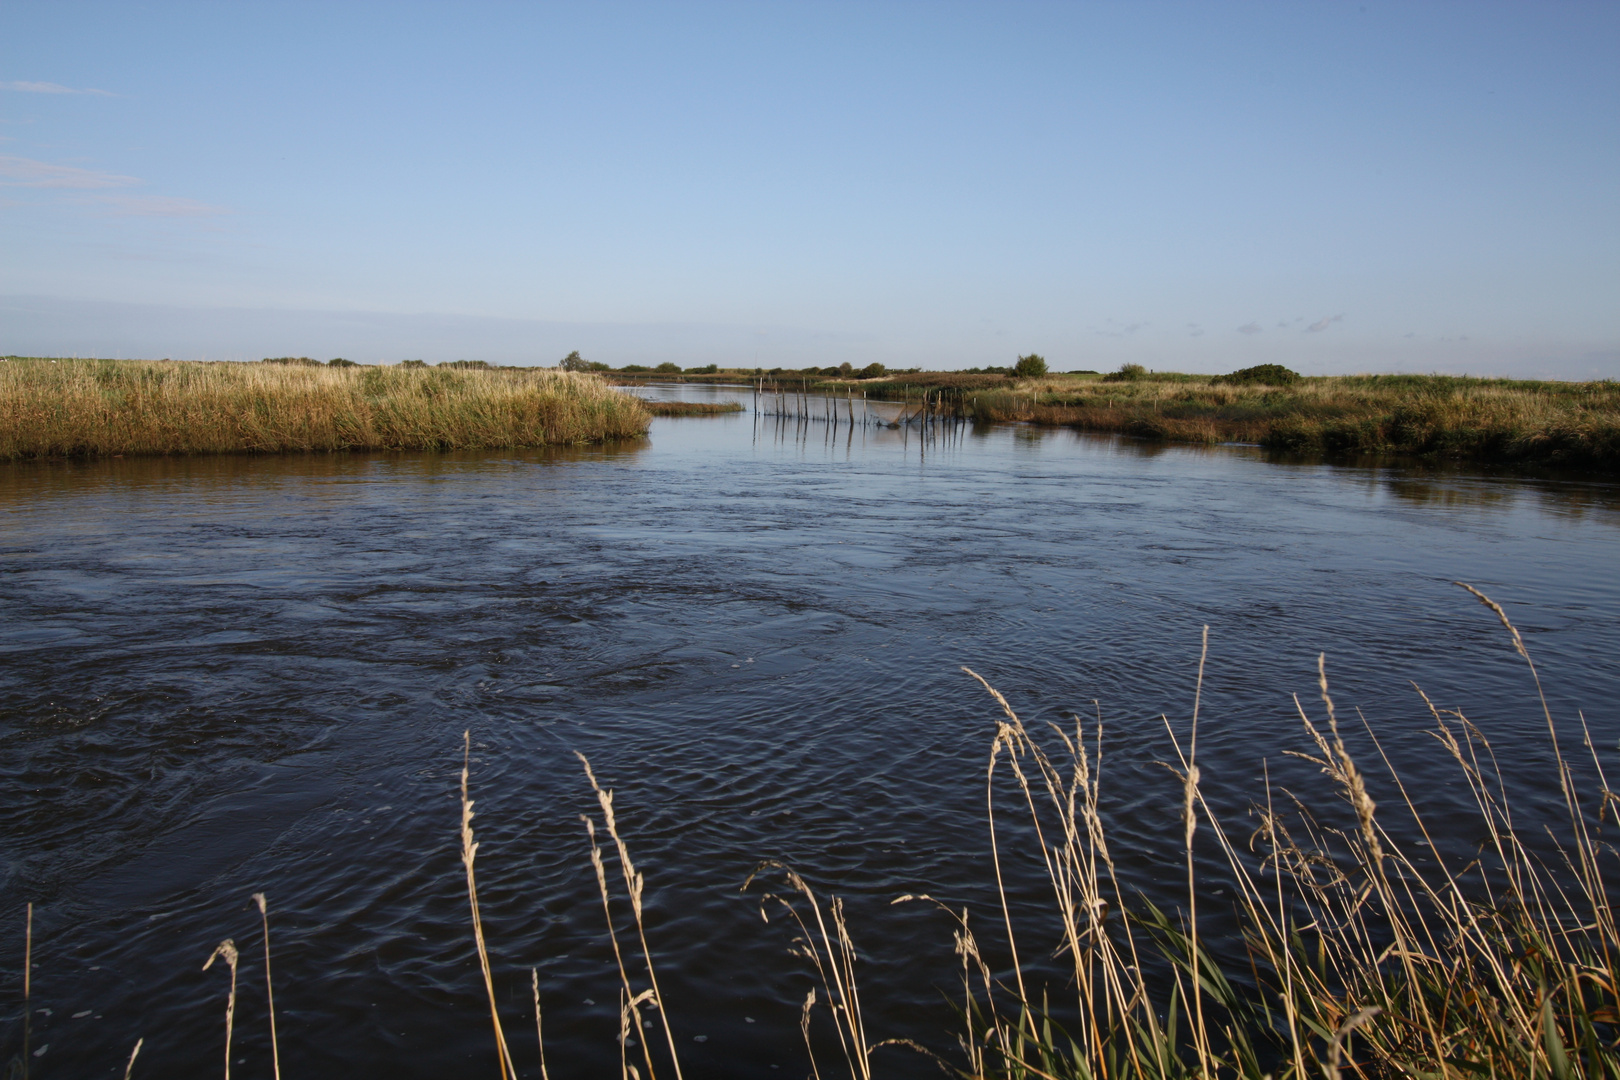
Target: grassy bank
{"points": [[1498, 420], [692, 408], [1445, 416], [71, 408]]}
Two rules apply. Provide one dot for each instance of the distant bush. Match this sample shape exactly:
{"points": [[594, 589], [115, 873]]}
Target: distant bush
{"points": [[668, 368], [412, 363], [634, 369], [1127, 373], [338, 361], [706, 369], [476, 365], [1032, 366], [1266, 374], [574, 362], [304, 360], [1081, 371], [872, 371]]}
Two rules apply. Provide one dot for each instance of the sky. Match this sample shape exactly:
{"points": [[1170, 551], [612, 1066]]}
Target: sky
{"points": [[1337, 187]]}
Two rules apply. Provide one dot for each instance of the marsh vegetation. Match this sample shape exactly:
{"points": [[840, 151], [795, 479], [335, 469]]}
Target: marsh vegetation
{"points": [[89, 408]]}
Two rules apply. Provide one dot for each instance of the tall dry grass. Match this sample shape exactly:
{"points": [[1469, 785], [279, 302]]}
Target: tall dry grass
{"points": [[63, 408], [1485, 419], [1357, 958]]}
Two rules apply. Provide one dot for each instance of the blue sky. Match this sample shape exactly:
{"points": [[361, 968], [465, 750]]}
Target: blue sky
{"points": [[1337, 187]]}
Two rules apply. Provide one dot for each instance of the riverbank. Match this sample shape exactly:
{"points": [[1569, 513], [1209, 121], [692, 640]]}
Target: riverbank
{"points": [[1541, 422], [94, 408], [1502, 420], [692, 408]]}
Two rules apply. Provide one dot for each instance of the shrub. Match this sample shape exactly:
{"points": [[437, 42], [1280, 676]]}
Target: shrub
{"points": [[1267, 374], [301, 360], [574, 362], [1127, 373], [633, 369], [413, 363], [668, 368], [706, 369], [338, 361], [872, 371], [476, 365], [1032, 366]]}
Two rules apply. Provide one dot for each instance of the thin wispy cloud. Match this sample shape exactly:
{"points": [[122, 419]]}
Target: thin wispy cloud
{"points": [[1323, 323], [26, 172], [156, 206], [22, 86], [1250, 328]]}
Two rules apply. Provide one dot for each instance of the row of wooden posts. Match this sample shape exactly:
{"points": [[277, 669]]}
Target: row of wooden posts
{"points": [[777, 400]]}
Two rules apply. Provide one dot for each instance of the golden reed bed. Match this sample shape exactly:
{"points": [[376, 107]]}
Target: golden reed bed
{"points": [[84, 408]]}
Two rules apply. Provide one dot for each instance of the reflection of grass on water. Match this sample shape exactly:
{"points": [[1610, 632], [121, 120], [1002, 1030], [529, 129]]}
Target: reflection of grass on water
{"points": [[62, 408], [692, 408], [1447, 416], [1359, 957]]}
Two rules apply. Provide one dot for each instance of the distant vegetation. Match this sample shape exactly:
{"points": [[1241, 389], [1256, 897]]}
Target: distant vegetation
{"points": [[1032, 366], [692, 408], [64, 408], [1568, 423], [106, 406]]}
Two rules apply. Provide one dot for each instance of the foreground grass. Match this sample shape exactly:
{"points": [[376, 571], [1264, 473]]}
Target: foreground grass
{"points": [[1444, 416], [72, 408], [1360, 956], [1488, 950]]}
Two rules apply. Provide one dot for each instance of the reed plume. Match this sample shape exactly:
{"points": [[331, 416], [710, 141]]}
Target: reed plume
{"points": [[469, 852], [225, 950], [269, 990]]}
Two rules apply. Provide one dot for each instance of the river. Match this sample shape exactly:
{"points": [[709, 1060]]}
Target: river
{"points": [[233, 674]]}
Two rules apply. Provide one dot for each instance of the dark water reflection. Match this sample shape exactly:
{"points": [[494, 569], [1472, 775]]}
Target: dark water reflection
{"points": [[230, 674]]}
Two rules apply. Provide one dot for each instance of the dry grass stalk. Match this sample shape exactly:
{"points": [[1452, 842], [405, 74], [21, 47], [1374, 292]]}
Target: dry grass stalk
{"points": [[1497, 967], [130, 1068], [539, 1035], [225, 950], [28, 986], [832, 954], [269, 990], [469, 851], [634, 885]]}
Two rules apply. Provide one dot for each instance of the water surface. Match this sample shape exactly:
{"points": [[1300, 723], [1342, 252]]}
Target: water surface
{"points": [[226, 675]]}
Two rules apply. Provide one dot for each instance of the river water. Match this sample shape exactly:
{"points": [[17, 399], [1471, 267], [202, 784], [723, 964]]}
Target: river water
{"points": [[227, 675]]}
